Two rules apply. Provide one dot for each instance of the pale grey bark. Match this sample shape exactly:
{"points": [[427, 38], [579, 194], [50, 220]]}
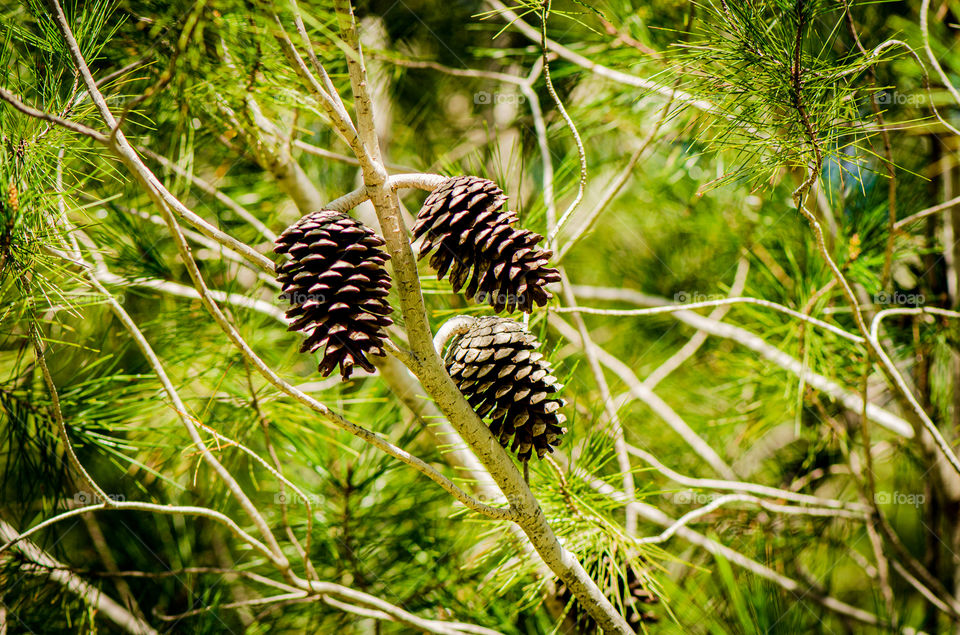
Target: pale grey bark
{"points": [[56, 571]]}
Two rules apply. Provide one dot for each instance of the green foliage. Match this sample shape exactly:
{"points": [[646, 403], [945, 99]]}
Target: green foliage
{"points": [[207, 86], [784, 87]]}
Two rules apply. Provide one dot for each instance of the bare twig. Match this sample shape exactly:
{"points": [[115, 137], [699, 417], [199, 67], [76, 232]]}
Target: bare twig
{"points": [[925, 33], [533, 34], [687, 351], [743, 486], [658, 517], [674, 308], [658, 405], [208, 188], [850, 399], [170, 510], [95, 489], [73, 126], [719, 501], [581, 153], [594, 355], [941, 207], [59, 573]]}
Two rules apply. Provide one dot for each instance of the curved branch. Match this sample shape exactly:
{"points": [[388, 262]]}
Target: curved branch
{"points": [[347, 202], [850, 399], [97, 599], [672, 308], [172, 510], [720, 501]]}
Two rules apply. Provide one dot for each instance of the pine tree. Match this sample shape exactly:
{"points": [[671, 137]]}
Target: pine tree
{"points": [[567, 173]]}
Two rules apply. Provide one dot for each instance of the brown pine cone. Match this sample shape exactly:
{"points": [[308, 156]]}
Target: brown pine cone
{"points": [[462, 219], [337, 287], [497, 368]]}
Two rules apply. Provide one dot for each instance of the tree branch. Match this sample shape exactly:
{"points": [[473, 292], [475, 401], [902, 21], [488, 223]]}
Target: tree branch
{"points": [[61, 574]]}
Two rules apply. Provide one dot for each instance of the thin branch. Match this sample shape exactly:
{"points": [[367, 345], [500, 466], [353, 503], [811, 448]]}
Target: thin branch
{"points": [[304, 552], [170, 510], [719, 501], [926, 592], [283, 481], [581, 153], [653, 401], [396, 613], [850, 399], [533, 34], [941, 207], [95, 489], [331, 90], [330, 103], [673, 308], [208, 188], [263, 268], [317, 151], [687, 351], [553, 227], [218, 571], [877, 348], [118, 142], [593, 354], [301, 596], [347, 202], [73, 126], [743, 486], [656, 516], [925, 34], [102, 603]]}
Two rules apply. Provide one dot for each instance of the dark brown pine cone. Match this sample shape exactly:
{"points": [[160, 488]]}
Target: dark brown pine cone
{"points": [[337, 287], [463, 220], [497, 368]]}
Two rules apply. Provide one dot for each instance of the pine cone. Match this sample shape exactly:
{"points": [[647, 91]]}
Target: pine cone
{"points": [[337, 288], [463, 220], [497, 368]]}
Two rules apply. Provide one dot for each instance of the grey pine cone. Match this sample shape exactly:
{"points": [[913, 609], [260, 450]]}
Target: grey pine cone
{"points": [[464, 222], [337, 286], [496, 366]]}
